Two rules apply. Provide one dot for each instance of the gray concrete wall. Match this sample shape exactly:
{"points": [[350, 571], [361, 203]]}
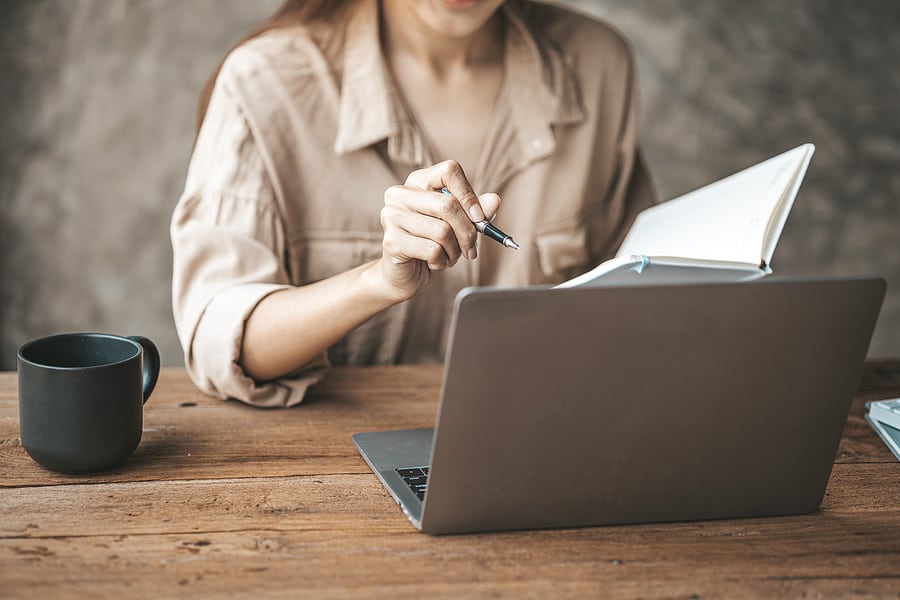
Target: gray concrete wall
{"points": [[98, 120], [97, 110]]}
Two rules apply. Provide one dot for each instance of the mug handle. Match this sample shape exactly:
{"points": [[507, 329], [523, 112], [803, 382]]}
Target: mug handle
{"points": [[150, 363]]}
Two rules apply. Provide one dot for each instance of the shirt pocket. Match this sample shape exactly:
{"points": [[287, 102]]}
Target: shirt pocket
{"points": [[562, 252], [322, 255]]}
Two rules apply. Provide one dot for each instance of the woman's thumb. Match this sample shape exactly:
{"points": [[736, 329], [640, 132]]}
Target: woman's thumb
{"points": [[490, 204]]}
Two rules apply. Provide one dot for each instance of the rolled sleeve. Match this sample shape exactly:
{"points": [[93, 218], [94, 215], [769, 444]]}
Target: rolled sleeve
{"points": [[216, 350], [228, 247]]}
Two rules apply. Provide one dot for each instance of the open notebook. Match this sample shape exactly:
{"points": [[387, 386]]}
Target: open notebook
{"points": [[726, 230]]}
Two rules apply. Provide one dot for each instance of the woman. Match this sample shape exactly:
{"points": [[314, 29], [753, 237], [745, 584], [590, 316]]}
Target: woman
{"points": [[313, 229]]}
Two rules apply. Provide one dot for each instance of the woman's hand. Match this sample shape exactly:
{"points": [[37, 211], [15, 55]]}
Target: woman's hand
{"points": [[426, 230]]}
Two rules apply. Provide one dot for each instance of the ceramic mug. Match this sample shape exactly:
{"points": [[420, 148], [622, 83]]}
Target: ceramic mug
{"points": [[81, 398]]}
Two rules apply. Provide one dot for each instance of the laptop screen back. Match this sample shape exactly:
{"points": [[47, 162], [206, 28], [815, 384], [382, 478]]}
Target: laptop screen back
{"points": [[620, 405]]}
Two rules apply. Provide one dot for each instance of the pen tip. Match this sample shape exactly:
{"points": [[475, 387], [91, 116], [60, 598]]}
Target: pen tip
{"points": [[511, 244]]}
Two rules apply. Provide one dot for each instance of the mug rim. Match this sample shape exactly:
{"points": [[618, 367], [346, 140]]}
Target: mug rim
{"points": [[24, 347]]}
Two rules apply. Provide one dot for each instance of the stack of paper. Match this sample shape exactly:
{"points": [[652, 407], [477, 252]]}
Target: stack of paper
{"points": [[884, 417]]}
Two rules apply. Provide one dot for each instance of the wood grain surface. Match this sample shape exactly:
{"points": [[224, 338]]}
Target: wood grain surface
{"points": [[225, 500]]}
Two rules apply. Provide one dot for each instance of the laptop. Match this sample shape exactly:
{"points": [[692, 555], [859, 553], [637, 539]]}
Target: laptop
{"points": [[613, 405]]}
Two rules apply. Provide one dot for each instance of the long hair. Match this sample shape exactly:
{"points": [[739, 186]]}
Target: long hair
{"points": [[291, 12]]}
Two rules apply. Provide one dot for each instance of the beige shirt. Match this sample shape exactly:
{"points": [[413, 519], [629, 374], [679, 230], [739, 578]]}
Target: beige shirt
{"points": [[304, 132]]}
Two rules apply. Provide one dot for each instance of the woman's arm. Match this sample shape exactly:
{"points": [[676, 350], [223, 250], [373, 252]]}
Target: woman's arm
{"points": [[291, 327], [425, 231]]}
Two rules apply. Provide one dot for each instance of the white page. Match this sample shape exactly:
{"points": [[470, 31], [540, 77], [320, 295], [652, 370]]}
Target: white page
{"points": [[686, 269], [608, 266], [779, 218], [727, 220]]}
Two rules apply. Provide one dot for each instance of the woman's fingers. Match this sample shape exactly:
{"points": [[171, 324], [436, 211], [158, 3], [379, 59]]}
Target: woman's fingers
{"points": [[490, 203], [449, 174], [404, 248], [398, 220], [452, 224]]}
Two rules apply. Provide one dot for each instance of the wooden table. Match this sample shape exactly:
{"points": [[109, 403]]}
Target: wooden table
{"points": [[222, 499]]}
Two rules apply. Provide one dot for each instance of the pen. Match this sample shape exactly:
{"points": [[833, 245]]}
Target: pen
{"points": [[489, 230]]}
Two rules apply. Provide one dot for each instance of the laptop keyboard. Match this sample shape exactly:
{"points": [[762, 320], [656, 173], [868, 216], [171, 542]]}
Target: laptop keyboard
{"points": [[416, 478]]}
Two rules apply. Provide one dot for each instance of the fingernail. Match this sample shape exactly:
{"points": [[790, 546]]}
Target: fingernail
{"points": [[472, 254], [476, 213]]}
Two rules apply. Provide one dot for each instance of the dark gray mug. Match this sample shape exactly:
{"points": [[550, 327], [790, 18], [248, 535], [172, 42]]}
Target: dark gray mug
{"points": [[81, 398]]}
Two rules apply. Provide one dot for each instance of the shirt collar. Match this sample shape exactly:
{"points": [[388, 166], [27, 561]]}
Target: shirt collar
{"points": [[542, 88], [366, 113], [540, 85]]}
